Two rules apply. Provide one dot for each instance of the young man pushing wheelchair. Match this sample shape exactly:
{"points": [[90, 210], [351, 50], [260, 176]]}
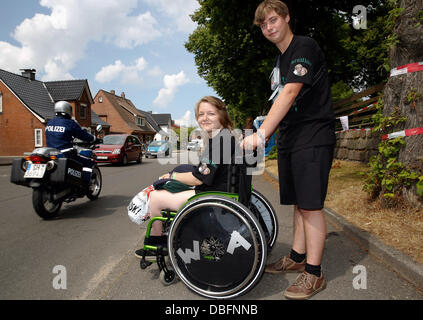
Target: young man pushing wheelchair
{"points": [[302, 111]]}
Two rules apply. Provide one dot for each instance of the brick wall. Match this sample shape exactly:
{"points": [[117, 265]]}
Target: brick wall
{"points": [[76, 107], [17, 126], [356, 145]]}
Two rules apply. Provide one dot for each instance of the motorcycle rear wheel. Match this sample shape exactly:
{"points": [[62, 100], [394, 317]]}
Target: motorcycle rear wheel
{"points": [[96, 182], [45, 208]]}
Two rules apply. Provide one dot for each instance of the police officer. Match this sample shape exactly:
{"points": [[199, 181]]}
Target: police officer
{"points": [[61, 131]]}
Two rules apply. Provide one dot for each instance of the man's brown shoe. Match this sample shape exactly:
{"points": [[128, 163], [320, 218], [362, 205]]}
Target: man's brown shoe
{"points": [[285, 264], [305, 286]]}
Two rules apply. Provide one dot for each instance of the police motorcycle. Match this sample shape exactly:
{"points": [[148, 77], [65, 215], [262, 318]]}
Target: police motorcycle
{"points": [[56, 179]]}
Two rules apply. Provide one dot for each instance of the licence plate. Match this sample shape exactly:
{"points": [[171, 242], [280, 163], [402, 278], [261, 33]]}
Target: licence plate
{"points": [[102, 158], [35, 170]]}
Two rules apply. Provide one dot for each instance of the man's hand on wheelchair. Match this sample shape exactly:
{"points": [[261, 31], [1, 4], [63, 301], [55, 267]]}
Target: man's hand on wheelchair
{"points": [[252, 141]]}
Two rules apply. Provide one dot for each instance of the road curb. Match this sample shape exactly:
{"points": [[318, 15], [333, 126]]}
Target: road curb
{"points": [[7, 161], [394, 259]]}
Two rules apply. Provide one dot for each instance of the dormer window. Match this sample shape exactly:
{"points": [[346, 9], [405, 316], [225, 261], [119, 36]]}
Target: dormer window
{"points": [[140, 121]]}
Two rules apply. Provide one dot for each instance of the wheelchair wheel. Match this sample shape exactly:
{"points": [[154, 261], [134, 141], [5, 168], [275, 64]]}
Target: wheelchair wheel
{"points": [[217, 247], [167, 278], [266, 215]]}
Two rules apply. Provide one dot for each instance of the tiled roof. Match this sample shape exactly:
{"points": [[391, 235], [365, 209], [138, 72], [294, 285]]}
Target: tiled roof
{"points": [[150, 120], [67, 90], [33, 93], [162, 119], [127, 111]]}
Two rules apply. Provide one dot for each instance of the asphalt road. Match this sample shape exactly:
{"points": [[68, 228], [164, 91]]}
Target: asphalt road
{"points": [[93, 243]]}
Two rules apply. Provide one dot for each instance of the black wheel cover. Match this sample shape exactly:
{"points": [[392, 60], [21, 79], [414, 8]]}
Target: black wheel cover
{"points": [[217, 248]]}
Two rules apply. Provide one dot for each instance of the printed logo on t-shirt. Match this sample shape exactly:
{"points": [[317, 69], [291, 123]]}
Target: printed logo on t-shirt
{"points": [[203, 169], [300, 70], [302, 60]]}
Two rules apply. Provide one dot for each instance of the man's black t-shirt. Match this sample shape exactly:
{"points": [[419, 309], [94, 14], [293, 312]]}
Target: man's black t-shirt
{"points": [[310, 121], [215, 162]]}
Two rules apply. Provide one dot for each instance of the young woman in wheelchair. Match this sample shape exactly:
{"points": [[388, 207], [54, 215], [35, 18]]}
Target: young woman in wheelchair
{"points": [[209, 175]]}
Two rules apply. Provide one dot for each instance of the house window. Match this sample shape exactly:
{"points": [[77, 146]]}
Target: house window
{"points": [[83, 111], [38, 133], [1, 102], [100, 99], [140, 121]]}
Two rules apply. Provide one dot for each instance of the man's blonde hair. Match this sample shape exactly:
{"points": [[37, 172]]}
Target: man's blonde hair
{"points": [[268, 5]]}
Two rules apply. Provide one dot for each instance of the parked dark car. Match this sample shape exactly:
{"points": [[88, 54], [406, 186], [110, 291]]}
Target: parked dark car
{"points": [[119, 148], [158, 149]]}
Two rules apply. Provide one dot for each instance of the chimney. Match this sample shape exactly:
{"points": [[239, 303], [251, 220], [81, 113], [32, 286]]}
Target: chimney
{"points": [[29, 73], [122, 95], [112, 92]]}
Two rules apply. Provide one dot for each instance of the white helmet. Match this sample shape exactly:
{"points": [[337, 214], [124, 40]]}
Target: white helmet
{"points": [[63, 107]]}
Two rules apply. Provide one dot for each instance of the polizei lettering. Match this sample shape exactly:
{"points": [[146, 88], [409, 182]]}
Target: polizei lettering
{"points": [[55, 128], [75, 173]]}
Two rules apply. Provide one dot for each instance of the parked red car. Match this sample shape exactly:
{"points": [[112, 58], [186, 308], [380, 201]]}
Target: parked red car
{"points": [[119, 148]]}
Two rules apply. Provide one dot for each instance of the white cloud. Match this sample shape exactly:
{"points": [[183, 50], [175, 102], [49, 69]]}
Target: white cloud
{"points": [[179, 11], [127, 74], [188, 120], [171, 85], [54, 43], [155, 72]]}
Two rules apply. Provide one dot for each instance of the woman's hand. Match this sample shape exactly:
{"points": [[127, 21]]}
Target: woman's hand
{"points": [[165, 176]]}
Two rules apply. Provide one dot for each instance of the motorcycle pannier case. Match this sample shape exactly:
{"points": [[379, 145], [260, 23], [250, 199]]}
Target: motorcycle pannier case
{"points": [[68, 172], [17, 174]]}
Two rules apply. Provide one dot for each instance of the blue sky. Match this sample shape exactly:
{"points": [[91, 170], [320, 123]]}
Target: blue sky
{"points": [[131, 46]]}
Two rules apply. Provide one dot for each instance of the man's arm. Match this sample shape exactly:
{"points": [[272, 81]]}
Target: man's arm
{"points": [[280, 108], [277, 112], [82, 134]]}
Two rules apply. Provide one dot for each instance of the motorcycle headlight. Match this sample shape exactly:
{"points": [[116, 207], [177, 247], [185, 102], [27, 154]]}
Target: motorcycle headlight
{"points": [[116, 151]]}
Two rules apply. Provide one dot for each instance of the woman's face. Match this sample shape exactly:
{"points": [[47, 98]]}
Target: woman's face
{"points": [[208, 118]]}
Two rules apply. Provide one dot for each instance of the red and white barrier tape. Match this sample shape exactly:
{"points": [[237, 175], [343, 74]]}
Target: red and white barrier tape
{"points": [[407, 68], [364, 129], [359, 110], [403, 133]]}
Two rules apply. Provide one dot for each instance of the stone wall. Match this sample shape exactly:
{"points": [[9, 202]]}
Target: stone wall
{"points": [[356, 145]]}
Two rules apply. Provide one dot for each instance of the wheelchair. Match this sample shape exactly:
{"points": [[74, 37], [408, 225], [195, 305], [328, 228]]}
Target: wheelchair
{"points": [[217, 242]]}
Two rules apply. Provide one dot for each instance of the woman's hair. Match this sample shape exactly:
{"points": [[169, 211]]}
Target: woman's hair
{"points": [[280, 8], [224, 118]]}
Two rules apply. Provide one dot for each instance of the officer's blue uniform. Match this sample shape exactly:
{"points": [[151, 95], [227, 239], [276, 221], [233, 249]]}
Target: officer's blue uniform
{"points": [[60, 133]]}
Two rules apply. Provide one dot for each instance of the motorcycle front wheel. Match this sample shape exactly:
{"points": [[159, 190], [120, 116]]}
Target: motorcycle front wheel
{"points": [[95, 184], [43, 205]]}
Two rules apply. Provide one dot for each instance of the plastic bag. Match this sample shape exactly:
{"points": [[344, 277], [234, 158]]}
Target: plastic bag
{"points": [[138, 207]]}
